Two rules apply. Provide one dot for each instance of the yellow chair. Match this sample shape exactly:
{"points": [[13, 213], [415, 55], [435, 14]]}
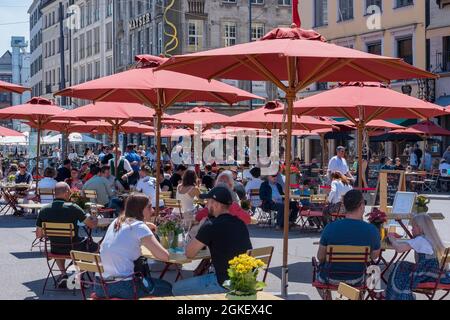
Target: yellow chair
{"points": [[347, 292], [265, 255]]}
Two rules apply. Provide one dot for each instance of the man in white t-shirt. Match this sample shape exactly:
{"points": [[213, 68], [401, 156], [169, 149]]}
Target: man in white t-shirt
{"points": [[147, 185], [339, 164]]}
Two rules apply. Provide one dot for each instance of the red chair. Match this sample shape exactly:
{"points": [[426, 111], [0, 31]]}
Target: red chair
{"points": [[86, 263], [340, 255], [430, 289]]}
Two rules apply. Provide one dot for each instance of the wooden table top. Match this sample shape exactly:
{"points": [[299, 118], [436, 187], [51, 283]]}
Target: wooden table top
{"points": [[31, 206], [261, 296], [177, 258], [434, 216]]}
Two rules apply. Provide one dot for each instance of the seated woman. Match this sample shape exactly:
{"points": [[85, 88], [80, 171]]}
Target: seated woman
{"points": [[74, 181], [428, 248], [121, 248], [340, 185], [186, 192]]}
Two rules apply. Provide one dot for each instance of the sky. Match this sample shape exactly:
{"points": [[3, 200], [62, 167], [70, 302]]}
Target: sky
{"points": [[13, 22]]}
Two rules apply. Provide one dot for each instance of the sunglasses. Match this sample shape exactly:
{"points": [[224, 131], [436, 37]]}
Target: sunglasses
{"points": [[22, 167]]}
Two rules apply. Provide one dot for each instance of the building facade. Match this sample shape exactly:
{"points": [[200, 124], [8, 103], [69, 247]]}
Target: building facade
{"points": [[6, 75], [438, 46], [36, 74], [393, 28], [20, 68], [51, 48]]}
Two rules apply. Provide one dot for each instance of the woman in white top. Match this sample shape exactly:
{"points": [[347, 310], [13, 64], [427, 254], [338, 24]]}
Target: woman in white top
{"points": [[186, 193], [340, 185], [429, 251], [121, 247]]}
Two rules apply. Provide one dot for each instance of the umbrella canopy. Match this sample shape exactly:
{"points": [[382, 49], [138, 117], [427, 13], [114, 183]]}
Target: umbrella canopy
{"points": [[429, 128], [38, 112], [6, 132], [259, 119], [204, 115], [158, 90], [376, 125], [404, 131], [300, 57], [74, 137], [11, 87]]}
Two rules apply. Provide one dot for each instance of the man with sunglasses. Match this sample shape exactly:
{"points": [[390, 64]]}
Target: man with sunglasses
{"points": [[23, 176]]}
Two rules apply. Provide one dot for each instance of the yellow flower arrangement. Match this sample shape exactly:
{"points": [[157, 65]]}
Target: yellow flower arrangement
{"points": [[242, 273]]}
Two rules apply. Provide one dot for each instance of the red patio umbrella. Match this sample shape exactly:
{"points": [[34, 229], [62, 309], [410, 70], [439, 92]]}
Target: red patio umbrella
{"points": [[6, 132], [37, 111], [363, 102], [11, 87], [204, 115], [157, 90], [300, 57]]}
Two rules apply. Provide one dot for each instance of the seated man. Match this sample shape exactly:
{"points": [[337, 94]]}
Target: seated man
{"points": [[271, 194], [23, 176], [147, 185], [100, 185], [64, 171], [215, 234], [209, 177], [351, 231], [62, 211]]}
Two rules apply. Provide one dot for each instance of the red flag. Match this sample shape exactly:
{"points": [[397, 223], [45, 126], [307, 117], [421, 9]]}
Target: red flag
{"points": [[295, 14]]}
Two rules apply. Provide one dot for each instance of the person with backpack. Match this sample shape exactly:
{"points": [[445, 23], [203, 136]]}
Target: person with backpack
{"points": [[123, 170]]}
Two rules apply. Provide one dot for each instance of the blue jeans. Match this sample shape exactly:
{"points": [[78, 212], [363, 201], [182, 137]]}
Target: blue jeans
{"points": [[206, 284], [125, 289]]}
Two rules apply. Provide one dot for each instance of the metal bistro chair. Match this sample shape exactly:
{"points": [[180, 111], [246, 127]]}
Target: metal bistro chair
{"points": [[44, 192], [340, 255], [173, 204], [265, 255], [52, 233], [165, 195], [86, 263], [315, 212], [91, 195], [265, 218], [431, 183], [430, 289]]}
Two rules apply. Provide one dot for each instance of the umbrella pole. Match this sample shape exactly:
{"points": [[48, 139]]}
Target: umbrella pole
{"points": [[38, 152], [360, 147], [284, 276], [158, 156], [116, 143]]}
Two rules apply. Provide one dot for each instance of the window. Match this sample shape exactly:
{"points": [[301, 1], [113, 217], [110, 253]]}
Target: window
{"points": [[89, 72], [257, 31], [195, 35], [375, 48], [140, 7], [82, 46], [404, 3], [345, 10], [53, 47], [75, 76], [75, 50], [140, 43], [109, 66], [109, 8], [97, 69], [82, 74], [321, 86], [229, 1], [159, 31], [320, 13], [148, 41], [89, 43], [97, 40], [82, 16], [109, 36], [446, 53], [257, 1], [130, 9], [132, 52], [96, 10], [284, 2], [89, 12], [229, 34], [369, 3], [405, 49]]}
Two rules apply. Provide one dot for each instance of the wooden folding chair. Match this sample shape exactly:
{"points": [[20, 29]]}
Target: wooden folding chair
{"points": [[340, 255], [265, 255], [315, 212], [56, 231], [347, 292], [91, 195], [431, 182], [45, 192], [165, 195], [173, 204], [430, 289], [86, 263]]}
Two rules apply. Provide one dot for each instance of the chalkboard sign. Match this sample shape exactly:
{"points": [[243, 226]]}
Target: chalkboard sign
{"points": [[389, 183]]}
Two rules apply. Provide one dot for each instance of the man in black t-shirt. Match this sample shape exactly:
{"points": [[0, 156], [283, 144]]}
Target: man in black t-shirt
{"points": [[64, 171], [176, 178], [164, 183], [226, 237], [209, 178], [62, 211]]}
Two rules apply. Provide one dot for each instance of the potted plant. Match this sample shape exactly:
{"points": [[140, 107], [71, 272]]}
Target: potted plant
{"points": [[242, 273], [169, 229], [421, 204]]}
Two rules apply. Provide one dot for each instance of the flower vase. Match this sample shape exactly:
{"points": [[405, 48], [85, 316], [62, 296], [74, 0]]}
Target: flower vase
{"points": [[233, 297], [174, 243], [164, 241]]}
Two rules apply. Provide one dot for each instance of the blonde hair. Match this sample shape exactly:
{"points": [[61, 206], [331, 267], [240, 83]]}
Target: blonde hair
{"points": [[426, 225]]}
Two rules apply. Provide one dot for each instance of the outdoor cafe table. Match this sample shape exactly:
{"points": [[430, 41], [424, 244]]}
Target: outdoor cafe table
{"points": [[175, 259], [264, 296], [11, 193], [31, 206]]}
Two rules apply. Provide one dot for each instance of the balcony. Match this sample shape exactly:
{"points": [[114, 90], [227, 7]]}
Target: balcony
{"points": [[196, 7]]}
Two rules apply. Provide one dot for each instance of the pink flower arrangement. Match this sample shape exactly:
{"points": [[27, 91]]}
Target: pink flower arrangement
{"points": [[377, 216]]}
